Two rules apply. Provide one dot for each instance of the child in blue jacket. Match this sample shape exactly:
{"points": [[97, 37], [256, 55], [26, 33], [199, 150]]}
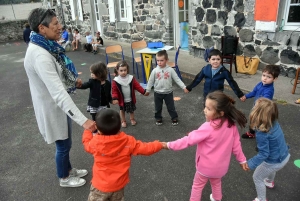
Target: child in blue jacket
{"points": [[264, 89], [273, 152], [214, 74]]}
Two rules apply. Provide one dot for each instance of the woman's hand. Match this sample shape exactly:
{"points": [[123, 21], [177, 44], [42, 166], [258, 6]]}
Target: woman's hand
{"points": [[89, 125]]}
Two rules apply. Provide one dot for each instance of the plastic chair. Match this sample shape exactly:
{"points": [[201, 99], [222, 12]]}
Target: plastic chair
{"points": [[175, 64], [229, 45], [109, 50], [136, 60]]}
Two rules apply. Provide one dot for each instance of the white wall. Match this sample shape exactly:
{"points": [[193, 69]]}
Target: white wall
{"points": [[21, 10]]}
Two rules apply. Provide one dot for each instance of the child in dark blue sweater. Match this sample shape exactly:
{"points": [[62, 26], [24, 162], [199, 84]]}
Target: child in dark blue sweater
{"points": [[264, 89], [214, 74]]}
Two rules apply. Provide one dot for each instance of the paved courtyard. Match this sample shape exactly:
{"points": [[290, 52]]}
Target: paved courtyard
{"points": [[27, 163]]}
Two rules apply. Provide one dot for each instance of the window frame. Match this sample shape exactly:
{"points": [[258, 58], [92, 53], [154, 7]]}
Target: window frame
{"points": [[125, 18], [289, 25]]}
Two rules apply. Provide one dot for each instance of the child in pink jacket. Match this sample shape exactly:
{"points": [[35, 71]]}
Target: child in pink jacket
{"points": [[216, 140]]}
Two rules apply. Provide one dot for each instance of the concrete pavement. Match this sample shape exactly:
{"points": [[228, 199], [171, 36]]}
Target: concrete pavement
{"points": [[27, 168]]}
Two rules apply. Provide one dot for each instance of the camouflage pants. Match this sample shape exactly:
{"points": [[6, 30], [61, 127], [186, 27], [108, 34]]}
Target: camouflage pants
{"points": [[96, 195]]}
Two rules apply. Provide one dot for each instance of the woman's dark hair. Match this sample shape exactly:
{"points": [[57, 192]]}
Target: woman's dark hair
{"points": [[225, 104], [121, 64], [163, 53], [100, 70], [40, 16], [108, 122], [76, 30]]}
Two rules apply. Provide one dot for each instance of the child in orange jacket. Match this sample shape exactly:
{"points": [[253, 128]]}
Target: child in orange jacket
{"points": [[112, 150]]}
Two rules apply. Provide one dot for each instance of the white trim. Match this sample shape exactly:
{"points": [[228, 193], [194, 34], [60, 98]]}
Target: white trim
{"points": [[72, 9], [129, 11], [125, 10], [79, 10], [289, 25], [111, 7]]}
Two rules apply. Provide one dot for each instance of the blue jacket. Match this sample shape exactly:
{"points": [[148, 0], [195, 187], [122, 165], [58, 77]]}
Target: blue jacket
{"points": [[216, 82], [272, 147], [260, 90], [26, 34], [65, 35]]}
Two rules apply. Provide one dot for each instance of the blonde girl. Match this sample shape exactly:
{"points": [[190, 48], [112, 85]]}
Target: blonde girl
{"points": [[123, 87], [273, 152], [216, 140], [100, 89]]}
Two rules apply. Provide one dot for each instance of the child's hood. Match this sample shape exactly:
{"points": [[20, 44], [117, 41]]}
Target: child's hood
{"points": [[111, 145], [124, 82]]}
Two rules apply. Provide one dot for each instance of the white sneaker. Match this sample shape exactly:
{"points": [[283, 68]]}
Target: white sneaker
{"points": [[211, 198], [77, 173], [256, 199], [269, 184], [72, 182]]}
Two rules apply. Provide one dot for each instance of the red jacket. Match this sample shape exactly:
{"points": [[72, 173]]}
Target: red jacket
{"points": [[117, 93], [112, 157]]}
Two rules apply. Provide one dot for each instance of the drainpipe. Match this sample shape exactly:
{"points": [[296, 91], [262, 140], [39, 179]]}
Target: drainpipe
{"points": [[13, 9]]}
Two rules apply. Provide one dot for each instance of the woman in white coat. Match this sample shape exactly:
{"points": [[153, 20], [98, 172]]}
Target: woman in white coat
{"points": [[52, 76]]}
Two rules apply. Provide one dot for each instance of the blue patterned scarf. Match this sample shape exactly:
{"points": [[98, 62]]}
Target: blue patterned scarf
{"points": [[68, 69]]}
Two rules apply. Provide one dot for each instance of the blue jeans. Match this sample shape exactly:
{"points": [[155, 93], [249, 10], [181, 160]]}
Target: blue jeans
{"points": [[63, 147]]}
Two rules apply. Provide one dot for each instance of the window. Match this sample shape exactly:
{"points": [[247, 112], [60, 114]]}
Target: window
{"points": [[291, 15], [76, 14], [123, 10]]}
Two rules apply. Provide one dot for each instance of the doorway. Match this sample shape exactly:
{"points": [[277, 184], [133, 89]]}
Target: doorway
{"points": [[181, 23]]}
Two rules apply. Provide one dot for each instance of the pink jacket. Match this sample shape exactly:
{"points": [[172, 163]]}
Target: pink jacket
{"points": [[214, 148]]}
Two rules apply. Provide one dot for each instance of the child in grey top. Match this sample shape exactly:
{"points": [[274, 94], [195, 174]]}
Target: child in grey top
{"points": [[161, 77]]}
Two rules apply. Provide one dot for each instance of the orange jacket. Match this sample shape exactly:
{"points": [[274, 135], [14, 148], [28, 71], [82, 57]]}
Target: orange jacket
{"points": [[112, 157]]}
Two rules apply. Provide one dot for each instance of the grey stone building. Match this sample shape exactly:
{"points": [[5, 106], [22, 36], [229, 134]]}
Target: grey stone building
{"points": [[198, 24]]}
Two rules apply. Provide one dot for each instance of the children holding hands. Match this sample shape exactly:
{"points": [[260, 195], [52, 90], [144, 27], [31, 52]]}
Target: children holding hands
{"points": [[123, 92], [216, 140], [112, 151], [214, 74], [161, 78], [265, 89], [273, 152]]}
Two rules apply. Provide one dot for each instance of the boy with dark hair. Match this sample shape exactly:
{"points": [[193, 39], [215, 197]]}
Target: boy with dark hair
{"points": [[112, 150], [214, 74], [161, 78], [264, 89]]}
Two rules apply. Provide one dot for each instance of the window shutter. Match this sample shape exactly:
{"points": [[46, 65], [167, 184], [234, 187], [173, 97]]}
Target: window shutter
{"points": [[111, 6], [72, 10], [129, 11]]}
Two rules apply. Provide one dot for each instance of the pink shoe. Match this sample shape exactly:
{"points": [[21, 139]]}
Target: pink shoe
{"points": [[269, 184], [124, 125]]}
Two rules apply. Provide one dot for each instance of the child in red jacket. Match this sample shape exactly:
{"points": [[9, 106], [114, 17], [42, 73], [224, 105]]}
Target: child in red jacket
{"points": [[123, 87], [112, 151]]}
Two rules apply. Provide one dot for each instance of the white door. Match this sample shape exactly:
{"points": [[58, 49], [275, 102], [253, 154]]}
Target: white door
{"points": [[98, 20], [181, 23]]}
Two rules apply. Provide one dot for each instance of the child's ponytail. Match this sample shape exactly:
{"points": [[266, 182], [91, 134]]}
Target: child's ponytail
{"points": [[225, 105]]}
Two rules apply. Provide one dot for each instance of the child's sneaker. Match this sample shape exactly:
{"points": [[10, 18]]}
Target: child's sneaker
{"points": [[211, 198], [248, 135], [256, 199], [71, 182], [158, 122], [174, 122], [269, 184], [78, 173]]}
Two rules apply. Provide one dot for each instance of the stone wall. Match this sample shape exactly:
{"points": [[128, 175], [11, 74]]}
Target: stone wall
{"points": [[149, 23], [11, 30], [66, 19], [213, 18]]}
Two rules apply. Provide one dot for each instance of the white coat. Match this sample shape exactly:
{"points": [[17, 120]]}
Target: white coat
{"points": [[51, 102]]}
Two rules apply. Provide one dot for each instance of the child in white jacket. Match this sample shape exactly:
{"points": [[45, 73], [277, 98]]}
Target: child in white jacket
{"points": [[161, 77]]}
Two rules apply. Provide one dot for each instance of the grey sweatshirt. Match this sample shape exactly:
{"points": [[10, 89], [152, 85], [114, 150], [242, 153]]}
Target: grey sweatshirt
{"points": [[162, 78]]}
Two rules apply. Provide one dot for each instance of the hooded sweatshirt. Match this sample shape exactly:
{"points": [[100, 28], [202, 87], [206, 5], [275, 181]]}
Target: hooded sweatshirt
{"points": [[112, 157]]}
